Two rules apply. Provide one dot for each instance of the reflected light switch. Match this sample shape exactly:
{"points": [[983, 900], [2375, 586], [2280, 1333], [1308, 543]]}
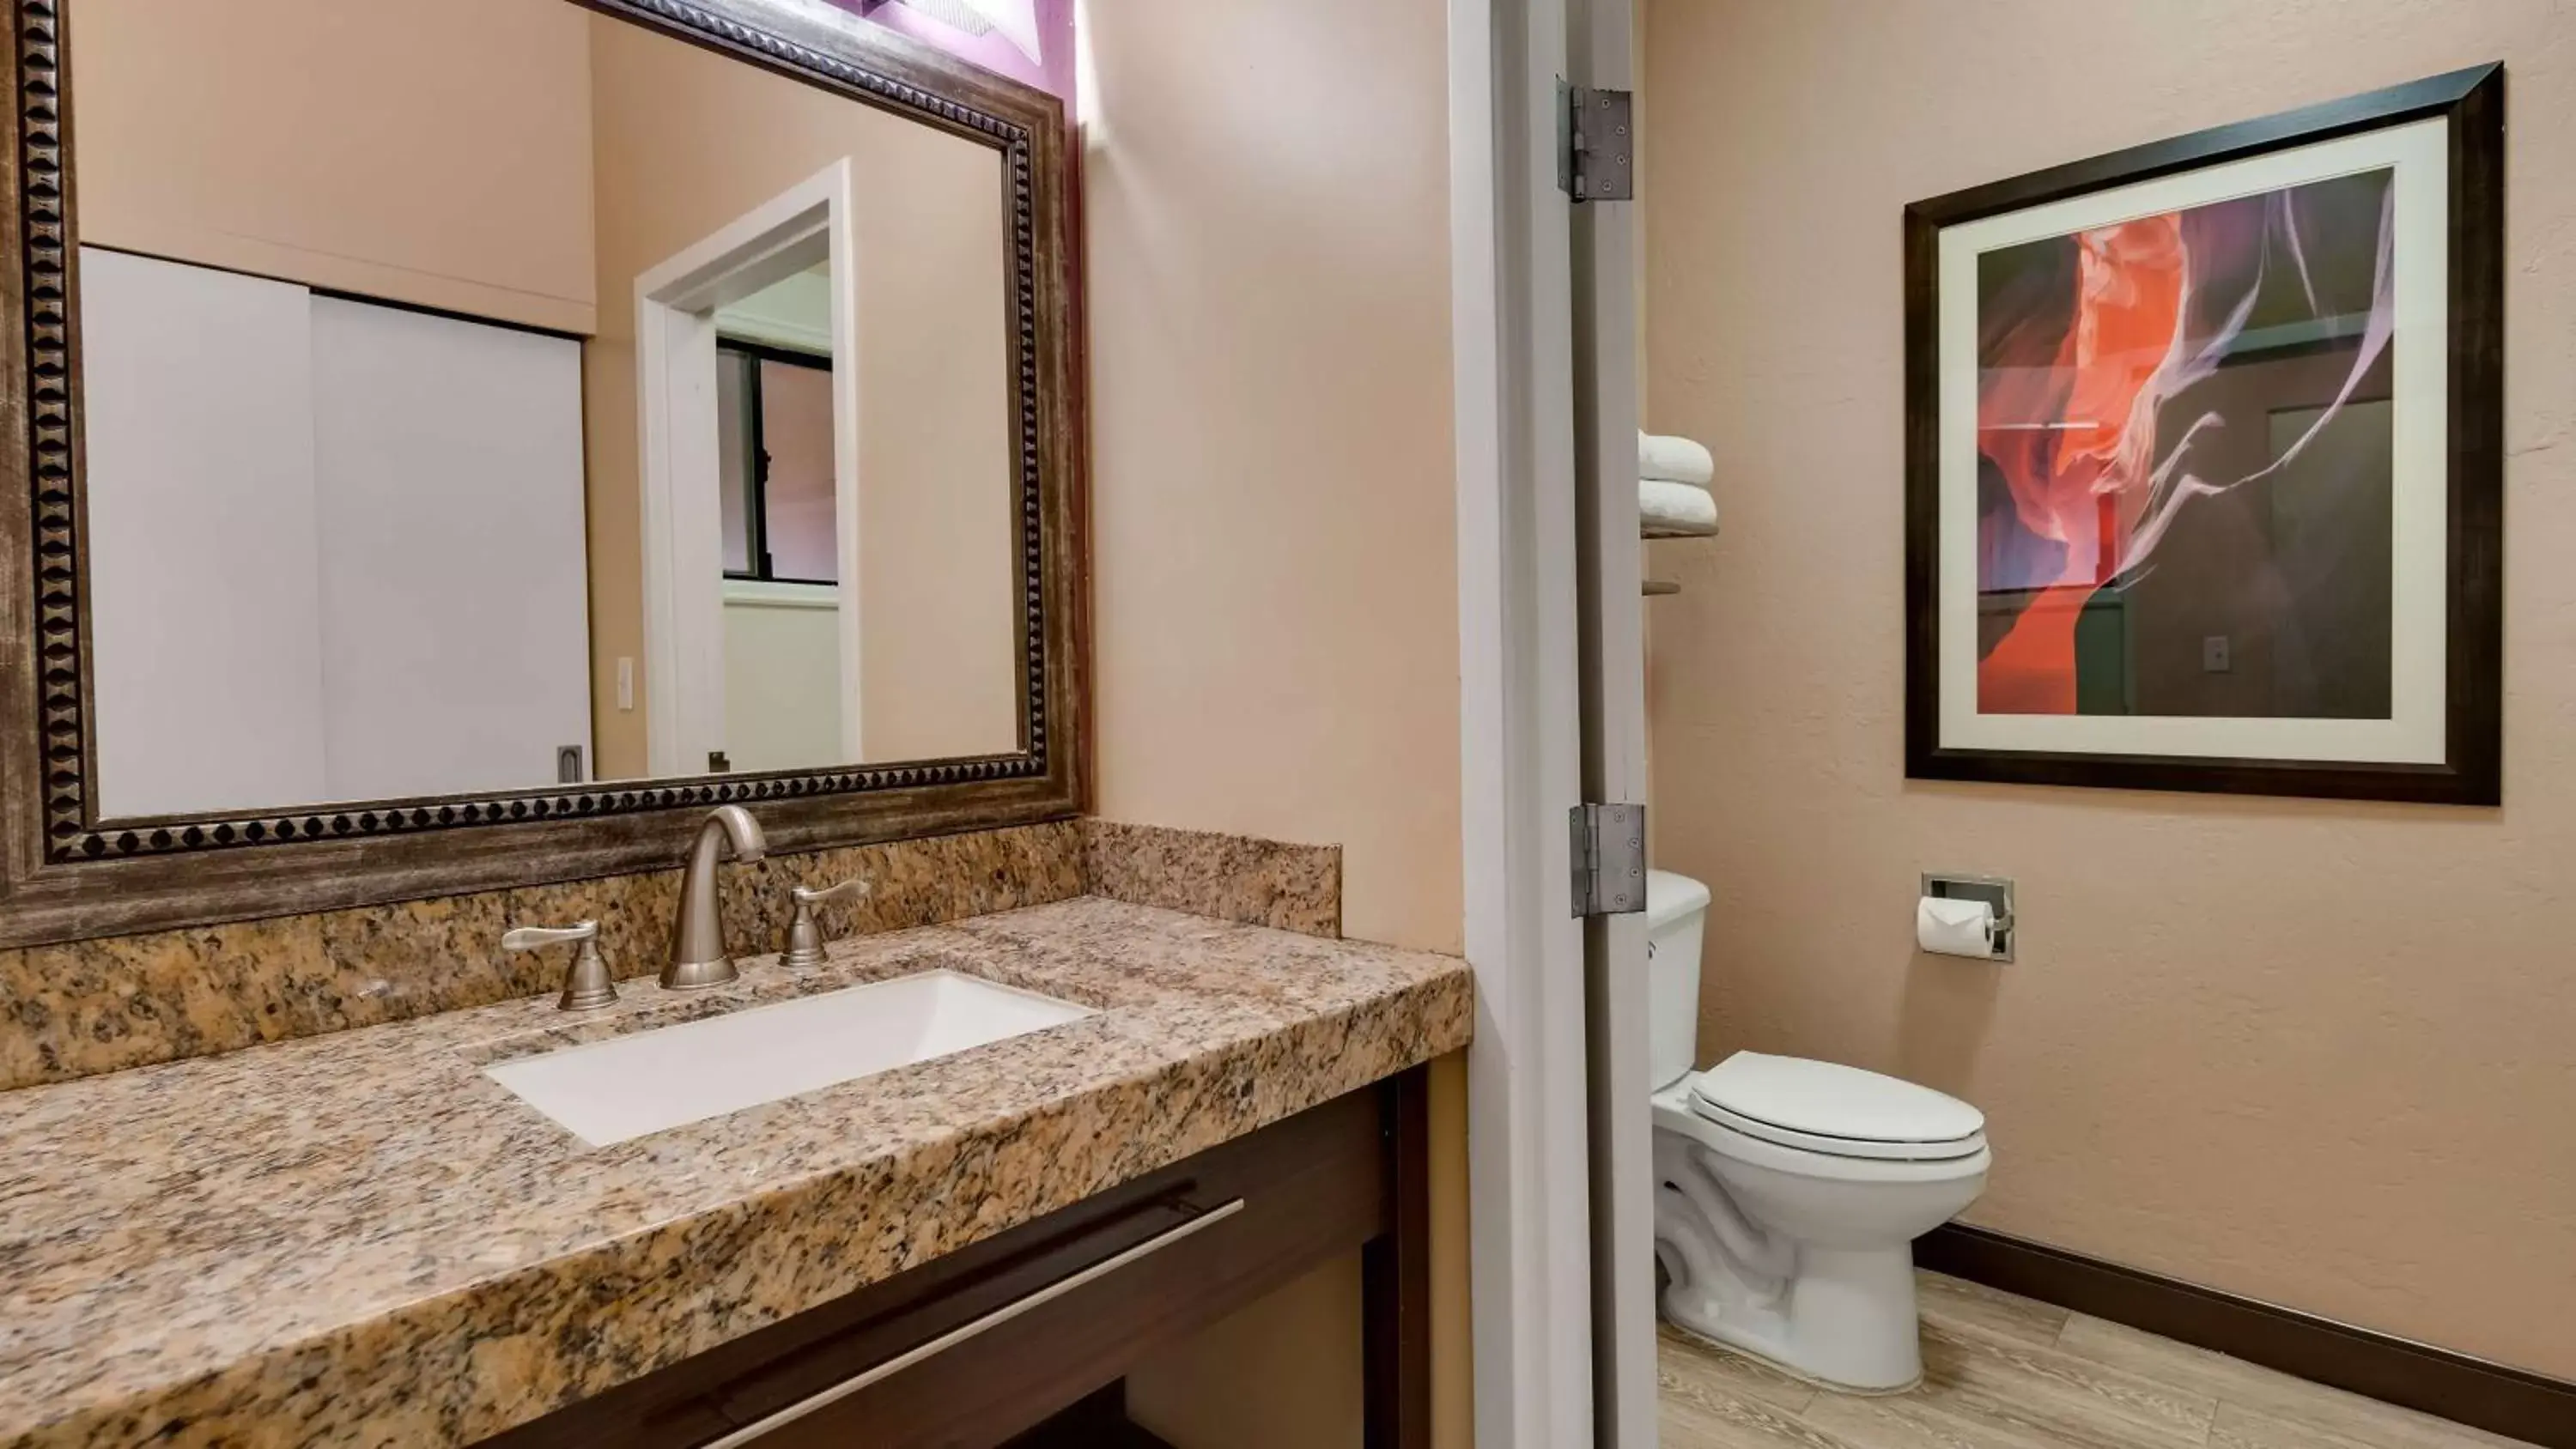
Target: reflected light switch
{"points": [[625, 683], [2213, 654]]}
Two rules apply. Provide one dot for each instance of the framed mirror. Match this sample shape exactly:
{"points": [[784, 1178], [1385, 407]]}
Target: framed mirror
{"points": [[461, 443]]}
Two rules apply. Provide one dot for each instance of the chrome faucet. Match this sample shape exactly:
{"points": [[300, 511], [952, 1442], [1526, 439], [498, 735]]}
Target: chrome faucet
{"points": [[698, 956]]}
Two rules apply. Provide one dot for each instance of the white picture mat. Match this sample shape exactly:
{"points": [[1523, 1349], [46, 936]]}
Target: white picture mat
{"points": [[2415, 732]]}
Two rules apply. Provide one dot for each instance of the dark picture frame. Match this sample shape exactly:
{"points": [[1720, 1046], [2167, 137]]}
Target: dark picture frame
{"points": [[2470, 103]]}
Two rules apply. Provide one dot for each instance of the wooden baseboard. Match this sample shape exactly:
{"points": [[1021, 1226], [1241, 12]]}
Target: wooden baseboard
{"points": [[2465, 1390]]}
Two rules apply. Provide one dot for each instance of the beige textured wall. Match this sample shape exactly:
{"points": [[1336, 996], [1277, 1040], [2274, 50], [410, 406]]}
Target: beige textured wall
{"points": [[1276, 632], [1273, 511], [2321, 1054], [273, 137], [938, 545], [687, 141]]}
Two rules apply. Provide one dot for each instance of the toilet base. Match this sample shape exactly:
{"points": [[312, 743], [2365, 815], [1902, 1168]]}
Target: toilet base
{"points": [[1847, 1320], [1787, 1372]]}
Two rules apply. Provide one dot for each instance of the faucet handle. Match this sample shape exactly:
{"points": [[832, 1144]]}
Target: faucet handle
{"points": [[587, 984], [529, 938], [855, 888], [804, 935]]}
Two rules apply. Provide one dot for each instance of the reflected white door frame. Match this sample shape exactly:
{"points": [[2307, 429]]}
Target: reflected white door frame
{"points": [[675, 362]]}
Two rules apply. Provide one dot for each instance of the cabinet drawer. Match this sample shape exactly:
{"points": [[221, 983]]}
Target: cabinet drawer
{"points": [[976, 1346]]}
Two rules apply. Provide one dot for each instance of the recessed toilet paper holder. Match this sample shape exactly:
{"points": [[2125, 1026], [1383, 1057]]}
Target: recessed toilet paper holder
{"points": [[1994, 890]]}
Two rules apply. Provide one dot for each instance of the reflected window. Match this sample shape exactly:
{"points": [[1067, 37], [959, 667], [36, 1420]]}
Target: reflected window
{"points": [[774, 427]]}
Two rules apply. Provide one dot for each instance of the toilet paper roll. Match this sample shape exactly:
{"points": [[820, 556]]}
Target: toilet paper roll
{"points": [[1954, 927]]}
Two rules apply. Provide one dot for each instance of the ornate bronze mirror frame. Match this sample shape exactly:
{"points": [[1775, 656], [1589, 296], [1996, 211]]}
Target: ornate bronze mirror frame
{"points": [[67, 873]]}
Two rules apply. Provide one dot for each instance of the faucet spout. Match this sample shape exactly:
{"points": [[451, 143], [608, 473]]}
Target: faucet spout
{"points": [[698, 955], [739, 829]]}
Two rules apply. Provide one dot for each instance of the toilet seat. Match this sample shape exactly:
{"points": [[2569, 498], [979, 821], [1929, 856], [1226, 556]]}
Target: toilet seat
{"points": [[1835, 1110]]}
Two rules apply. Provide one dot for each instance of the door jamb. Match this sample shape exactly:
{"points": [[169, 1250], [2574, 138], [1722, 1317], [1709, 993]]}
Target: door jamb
{"points": [[1602, 55], [1511, 318], [675, 362]]}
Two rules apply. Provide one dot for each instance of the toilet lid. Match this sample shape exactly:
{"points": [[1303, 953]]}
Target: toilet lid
{"points": [[1843, 1111]]}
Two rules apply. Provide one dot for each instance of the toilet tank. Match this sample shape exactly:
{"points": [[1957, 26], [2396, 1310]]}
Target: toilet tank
{"points": [[1676, 915]]}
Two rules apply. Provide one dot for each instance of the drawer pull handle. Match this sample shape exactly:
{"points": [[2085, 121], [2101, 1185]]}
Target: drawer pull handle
{"points": [[965, 1331]]}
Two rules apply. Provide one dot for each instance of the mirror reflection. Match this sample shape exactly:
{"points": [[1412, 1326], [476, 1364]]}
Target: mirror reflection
{"points": [[494, 393]]}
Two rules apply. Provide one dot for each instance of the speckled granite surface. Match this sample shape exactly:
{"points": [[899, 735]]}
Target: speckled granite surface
{"points": [[101, 1006], [1230, 877], [360, 1239]]}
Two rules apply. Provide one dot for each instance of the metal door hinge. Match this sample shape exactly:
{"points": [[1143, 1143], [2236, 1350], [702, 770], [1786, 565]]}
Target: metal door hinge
{"points": [[1609, 859], [1596, 143]]}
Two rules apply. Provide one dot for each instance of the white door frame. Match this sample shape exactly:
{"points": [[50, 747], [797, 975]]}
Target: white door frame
{"points": [[1609, 572], [1552, 713], [675, 365], [1519, 746]]}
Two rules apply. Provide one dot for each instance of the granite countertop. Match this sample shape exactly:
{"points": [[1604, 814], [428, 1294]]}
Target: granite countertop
{"points": [[360, 1238]]}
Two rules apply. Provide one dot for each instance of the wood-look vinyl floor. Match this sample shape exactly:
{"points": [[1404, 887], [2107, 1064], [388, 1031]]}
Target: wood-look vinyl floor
{"points": [[2001, 1372]]}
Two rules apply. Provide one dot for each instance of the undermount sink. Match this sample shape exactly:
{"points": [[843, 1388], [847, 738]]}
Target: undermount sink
{"points": [[617, 1090]]}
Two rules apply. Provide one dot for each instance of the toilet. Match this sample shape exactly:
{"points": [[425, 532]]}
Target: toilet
{"points": [[1790, 1192]]}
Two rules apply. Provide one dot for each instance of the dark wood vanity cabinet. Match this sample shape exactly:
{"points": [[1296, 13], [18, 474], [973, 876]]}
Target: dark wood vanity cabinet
{"points": [[998, 1339]]}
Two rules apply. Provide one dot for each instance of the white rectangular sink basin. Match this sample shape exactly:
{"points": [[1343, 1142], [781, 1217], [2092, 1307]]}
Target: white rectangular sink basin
{"points": [[616, 1090]]}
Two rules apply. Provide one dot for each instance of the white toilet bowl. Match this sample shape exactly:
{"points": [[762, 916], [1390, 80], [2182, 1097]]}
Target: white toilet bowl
{"points": [[1790, 1193]]}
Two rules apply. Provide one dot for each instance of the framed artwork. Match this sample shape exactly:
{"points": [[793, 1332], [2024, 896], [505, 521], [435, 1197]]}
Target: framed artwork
{"points": [[2204, 460]]}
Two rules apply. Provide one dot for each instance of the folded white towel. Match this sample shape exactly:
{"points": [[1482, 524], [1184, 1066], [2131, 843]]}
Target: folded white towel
{"points": [[1674, 460], [1674, 510]]}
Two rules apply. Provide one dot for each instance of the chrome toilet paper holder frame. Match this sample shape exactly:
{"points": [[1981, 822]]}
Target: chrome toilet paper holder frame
{"points": [[1994, 890]]}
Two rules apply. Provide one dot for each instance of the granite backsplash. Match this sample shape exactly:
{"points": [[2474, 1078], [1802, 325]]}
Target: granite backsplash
{"points": [[81, 1008]]}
